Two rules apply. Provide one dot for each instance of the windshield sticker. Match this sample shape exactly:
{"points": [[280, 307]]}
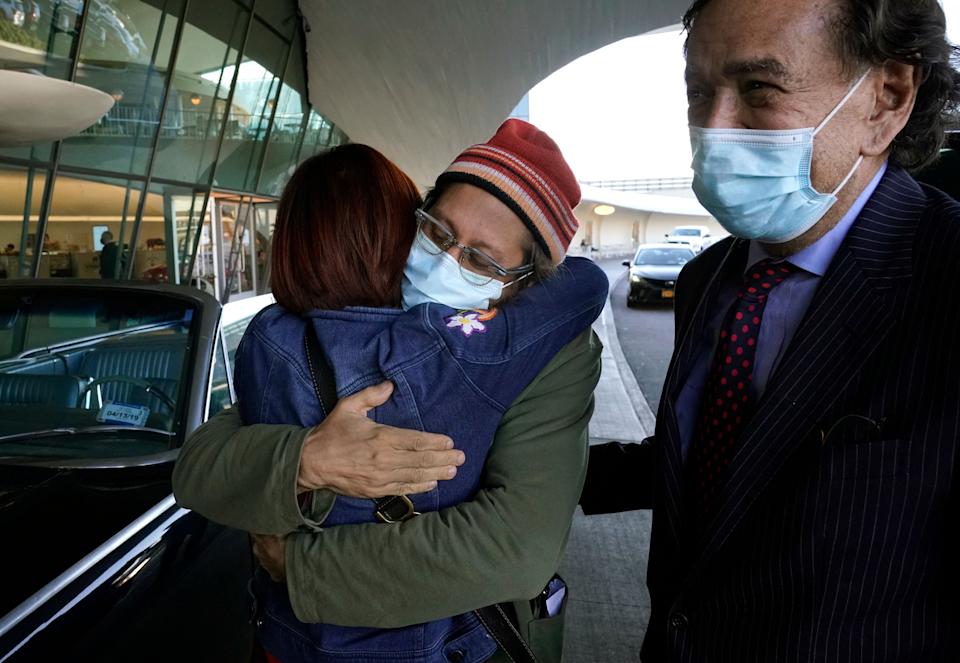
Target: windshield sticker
{"points": [[123, 413]]}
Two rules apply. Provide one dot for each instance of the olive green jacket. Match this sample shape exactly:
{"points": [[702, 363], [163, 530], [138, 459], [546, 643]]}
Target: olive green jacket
{"points": [[503, 545]]}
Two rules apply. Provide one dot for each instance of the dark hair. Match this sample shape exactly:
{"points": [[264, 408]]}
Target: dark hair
{"points": [[344, 227], [871, 32]]}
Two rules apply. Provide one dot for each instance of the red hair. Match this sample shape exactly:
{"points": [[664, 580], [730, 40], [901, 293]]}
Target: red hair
{"points": [[345, 224]]}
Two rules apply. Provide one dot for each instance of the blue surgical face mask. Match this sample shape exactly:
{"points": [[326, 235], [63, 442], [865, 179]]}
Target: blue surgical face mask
{"points": [[437, 278], [756, 183]]}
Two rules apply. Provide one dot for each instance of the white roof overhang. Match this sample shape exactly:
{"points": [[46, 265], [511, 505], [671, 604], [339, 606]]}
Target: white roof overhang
{"points": [[421, 80]]}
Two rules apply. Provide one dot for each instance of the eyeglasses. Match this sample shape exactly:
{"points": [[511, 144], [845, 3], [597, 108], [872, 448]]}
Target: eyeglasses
{"points": [[475, 265]]}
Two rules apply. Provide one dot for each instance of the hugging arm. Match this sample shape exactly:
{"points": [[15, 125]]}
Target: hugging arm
{"points": [[220, 474], [502, 545], [249, 477], [619, 478]]}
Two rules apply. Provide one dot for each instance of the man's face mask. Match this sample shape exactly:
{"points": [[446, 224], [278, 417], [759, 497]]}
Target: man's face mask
{"points": [[756, 183]]}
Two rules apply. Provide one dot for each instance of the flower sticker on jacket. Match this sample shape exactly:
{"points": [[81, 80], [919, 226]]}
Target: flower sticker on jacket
{"points": [[466, 321]]}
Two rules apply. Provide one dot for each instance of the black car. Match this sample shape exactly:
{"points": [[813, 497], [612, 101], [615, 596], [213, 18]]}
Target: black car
{"points": [[99, 385], [654, 271]]}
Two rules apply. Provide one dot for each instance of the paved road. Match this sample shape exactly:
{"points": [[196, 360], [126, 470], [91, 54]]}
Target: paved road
{"points": [[646, 336], [606, 558]]}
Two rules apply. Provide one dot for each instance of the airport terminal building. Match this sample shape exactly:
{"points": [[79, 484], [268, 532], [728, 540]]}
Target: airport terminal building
{"points": [[213, 103], [210, 116]]}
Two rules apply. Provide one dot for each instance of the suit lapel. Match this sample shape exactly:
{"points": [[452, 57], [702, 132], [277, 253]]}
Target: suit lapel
{"points": [[858, 302]]}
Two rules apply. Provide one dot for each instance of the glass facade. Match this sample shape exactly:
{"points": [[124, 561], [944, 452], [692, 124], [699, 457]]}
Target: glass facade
{"points": [[211, 117]]}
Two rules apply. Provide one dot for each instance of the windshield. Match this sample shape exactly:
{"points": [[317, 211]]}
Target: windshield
{"points": [[91, 373], [663, 256], [686, 232]]}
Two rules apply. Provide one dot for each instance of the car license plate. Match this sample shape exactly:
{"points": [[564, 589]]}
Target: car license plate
{"points": [[666, 294]]}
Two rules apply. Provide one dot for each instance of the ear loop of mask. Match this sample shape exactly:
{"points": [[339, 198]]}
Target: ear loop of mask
{"points": [[843, 102], [836, 109], [516, 281]]}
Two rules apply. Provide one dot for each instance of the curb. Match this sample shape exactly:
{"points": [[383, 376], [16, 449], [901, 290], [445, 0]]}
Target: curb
{"points": [[639, 402]]}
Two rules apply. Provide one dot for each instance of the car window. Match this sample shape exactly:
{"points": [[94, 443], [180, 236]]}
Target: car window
{"points": [[686, 232], [234, 321], [91, 373], [220, 395], [663, 256]]}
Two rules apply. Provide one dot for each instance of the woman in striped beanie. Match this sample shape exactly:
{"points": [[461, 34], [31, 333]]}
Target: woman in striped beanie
{"points": [[469, 578], [510, 199]]}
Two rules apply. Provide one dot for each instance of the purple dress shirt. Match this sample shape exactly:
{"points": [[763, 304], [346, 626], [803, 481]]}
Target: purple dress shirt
{"points": [[786, 307]]}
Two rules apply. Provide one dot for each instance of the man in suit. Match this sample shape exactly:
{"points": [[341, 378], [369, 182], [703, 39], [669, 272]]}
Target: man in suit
{"points": [[802, 472]]}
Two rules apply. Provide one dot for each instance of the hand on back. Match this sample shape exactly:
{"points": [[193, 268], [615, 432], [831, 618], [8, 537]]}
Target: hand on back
{"points": [[355, 456]]}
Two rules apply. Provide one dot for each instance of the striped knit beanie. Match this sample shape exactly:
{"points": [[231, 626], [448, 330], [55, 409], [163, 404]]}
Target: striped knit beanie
{"points": [[525, 170]]}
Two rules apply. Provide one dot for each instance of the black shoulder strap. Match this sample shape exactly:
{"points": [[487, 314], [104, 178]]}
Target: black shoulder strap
{"points": [[320, 372], [396, 508], [502, 630]]}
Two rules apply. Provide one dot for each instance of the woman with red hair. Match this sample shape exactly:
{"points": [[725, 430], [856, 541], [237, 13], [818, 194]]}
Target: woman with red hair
{"points": [[371, 284]]}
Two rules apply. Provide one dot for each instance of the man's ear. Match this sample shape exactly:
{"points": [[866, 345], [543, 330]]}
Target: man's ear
{"points": [[896, 92]]}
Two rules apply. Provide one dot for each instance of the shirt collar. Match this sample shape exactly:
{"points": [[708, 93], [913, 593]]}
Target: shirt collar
{"points": [[817, 257]]}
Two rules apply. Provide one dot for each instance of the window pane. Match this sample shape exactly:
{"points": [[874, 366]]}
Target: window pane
{"points": [[82, 209], [266, 220], [258, 81], [182, 210], [167, 234], [236, 220], [21, 191], [201, 271], [126, 53], [287, 125], [318, 134], [220, 398], [207, 57], [321, 135]]}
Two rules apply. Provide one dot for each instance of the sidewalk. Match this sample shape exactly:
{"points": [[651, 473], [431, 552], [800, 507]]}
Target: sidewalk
{"points": [[622, 412], [606, 559]]}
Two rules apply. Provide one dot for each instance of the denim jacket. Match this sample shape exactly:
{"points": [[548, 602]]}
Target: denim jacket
{"points": [[456, 373]]}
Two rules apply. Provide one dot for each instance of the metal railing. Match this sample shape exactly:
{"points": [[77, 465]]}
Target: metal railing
{"points": [[644, 185], [142, 121]]}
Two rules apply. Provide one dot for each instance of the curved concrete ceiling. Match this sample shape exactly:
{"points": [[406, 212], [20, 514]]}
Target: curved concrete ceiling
{"points": [[421, 80]]}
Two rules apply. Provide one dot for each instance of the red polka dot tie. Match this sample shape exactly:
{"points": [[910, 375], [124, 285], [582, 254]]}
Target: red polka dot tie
{"points": [[727, 397]]}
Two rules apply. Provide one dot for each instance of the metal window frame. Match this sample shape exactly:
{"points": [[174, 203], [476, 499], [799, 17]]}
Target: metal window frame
{"points": [[47, 198], [273, 114], [215, 163]]}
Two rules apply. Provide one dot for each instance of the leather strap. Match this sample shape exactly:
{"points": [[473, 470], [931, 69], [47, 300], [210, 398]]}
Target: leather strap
{"points": [[320, 372], [506, 635], [397, 508]]}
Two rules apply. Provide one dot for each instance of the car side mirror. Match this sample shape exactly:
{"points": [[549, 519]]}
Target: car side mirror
{"points": [[626, 263]]}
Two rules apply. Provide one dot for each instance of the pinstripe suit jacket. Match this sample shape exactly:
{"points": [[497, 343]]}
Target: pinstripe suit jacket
{"points": [[835, 539]]}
